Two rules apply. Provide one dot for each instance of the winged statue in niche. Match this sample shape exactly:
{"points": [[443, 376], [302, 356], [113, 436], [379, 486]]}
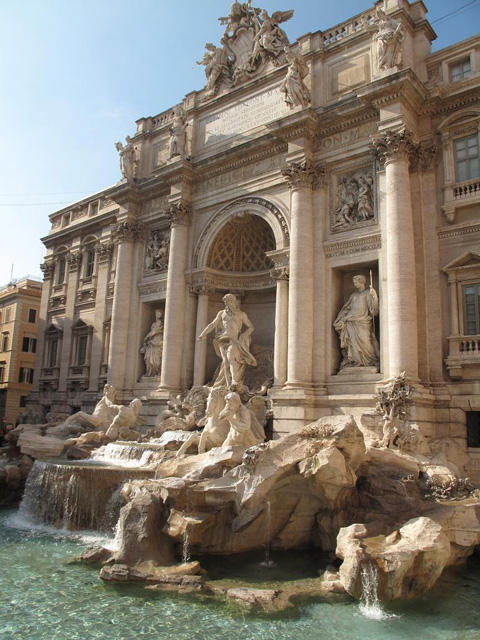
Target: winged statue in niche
{"points": [[251, 39]]}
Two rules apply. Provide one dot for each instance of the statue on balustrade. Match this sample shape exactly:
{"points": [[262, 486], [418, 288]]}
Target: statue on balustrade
{"points": [[128, 159], [178, 133], [231, 345], [153, 346], [390, 36], [295, 90], [356, 328]]}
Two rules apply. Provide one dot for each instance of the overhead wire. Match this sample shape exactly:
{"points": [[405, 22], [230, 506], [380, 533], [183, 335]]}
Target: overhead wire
{"points": [[455, 13]]}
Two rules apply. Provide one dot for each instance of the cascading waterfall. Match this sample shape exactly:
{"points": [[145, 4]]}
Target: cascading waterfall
{"points": [[267, 562], [76, 496], [186, 545], [370, 605], [128, 455]]}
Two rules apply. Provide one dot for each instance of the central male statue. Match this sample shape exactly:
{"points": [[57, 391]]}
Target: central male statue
{"points": [[231, 345]]}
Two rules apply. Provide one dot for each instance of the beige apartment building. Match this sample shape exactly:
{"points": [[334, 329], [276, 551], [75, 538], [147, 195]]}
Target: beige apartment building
{"points": [[19, 314], [353, 151]]}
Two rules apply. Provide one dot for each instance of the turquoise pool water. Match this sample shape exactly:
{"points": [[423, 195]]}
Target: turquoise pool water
{"points": [[42, 597]]}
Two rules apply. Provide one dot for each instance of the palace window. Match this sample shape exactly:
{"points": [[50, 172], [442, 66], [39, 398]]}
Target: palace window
{"points": [[52, 350], [460, 70], [25, 375], [466, 158], [5, 341], [473, 429], [61, 270], [7, 314], [471, 301], [89, 263], [2, 371], [81, 332], [29, 345], [32, 316], [23, 402]]}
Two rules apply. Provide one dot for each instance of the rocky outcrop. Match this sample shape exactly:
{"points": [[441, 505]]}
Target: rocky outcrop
{"points": [[407, 562]]}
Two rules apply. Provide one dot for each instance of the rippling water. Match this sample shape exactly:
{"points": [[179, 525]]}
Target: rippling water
{"points": [[42, 597]]}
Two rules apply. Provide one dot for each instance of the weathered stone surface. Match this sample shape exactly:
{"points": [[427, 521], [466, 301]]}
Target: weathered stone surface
{"points": [[253, 597], [408, 561]]}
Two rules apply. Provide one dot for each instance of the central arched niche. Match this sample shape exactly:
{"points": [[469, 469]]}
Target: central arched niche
{"points": [[241, 245], [238, 257]]}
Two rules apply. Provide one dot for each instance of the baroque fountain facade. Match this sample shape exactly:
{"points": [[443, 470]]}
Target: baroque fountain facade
{"points": [[266, 325]]}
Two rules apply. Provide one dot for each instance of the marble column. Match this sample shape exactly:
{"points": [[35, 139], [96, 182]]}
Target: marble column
{"points": [[104, 253], [74, 260], [173, 335], [280, 355], [203, 294], [125, 234], [394, 150], [302, 178]]}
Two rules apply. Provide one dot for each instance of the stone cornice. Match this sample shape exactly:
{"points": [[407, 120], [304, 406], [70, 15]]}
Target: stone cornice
{"points": [[352, 245], [439, 105], [299, 125], [333, 122], [403, 86], [459, 230], [217, 166]]}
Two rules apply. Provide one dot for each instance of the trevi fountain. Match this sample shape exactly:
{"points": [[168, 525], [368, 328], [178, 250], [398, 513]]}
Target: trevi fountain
{"points": [[274, 480]]}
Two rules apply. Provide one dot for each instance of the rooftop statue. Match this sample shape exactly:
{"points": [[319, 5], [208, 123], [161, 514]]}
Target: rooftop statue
{"points": [[390, 36], [295, 90], [178, 133], [218, 67], [270, 38], [231, 345], [251, 37], [128, 159]]}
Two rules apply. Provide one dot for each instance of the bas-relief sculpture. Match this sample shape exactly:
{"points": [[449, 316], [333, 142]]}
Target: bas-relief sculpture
{"points": [[153, 346], [355, 202], [295, 90], [157, 251], [389, 37], [356, 328], [128, 159], [251, 37], [230, 343]]}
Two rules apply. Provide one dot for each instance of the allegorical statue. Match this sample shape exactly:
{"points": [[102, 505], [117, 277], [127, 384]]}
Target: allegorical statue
{"points": [[270, 38], [231, 345], [355, 326], [217, 67], [390, 36], [295, 90], [128, 158], [102, 416], [245, 430], [153, 346], [178, 133]]}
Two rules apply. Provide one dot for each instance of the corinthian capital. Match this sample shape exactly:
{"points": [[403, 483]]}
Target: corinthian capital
{"points": [[394, 145], [280, 273], [47, 269], [127, 232], [178, 214], [303, 174]]}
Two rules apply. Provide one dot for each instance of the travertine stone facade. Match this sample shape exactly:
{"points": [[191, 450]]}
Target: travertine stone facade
{"points": [[281, 193]]}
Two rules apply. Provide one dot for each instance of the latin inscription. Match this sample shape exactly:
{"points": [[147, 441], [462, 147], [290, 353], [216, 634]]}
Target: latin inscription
{"points": [[241, 174], [248, 114]]}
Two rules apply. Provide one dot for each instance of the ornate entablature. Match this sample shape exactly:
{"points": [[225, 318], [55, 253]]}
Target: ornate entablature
{"points": [[352, 197]]}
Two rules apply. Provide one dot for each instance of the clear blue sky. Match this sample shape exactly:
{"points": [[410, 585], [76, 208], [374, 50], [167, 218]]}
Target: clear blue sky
{"points": [[76, 74]]}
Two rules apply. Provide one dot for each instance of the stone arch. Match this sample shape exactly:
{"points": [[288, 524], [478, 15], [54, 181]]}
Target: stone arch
{"points": [[457, 117], [253, 205]]}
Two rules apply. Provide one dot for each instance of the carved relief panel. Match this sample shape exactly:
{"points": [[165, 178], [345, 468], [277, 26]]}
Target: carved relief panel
{"points": [[352, 197], [157, 250]]}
